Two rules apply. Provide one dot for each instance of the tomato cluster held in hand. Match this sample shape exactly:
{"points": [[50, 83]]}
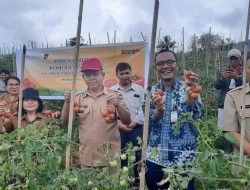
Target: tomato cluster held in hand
{"points": [[159, 92], [188, 74], [78, 109], [109, 113], [51, 114], [3, 103], [6, 116], [195, 92]]}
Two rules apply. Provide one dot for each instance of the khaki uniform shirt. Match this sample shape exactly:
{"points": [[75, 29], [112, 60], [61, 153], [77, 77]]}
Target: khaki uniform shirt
{"points": [[232, 117], [94, 131], [41, 121], [11, 104]]}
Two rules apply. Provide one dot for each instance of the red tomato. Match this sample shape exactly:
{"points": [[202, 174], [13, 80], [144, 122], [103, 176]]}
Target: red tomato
{"points": [[2, 114], [188, 74], [198, 89], [111, 109], [194, 95], [159, 92], [28, 83], [138, 80], [112, 116], [108, 119], [76, 109], [104, 114], [110, 82]]}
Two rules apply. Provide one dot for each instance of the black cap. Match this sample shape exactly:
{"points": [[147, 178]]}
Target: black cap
{"points": [[31, 93]]}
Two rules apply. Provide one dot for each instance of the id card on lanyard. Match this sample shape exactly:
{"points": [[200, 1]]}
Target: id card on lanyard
{"points": [[174, 114]]}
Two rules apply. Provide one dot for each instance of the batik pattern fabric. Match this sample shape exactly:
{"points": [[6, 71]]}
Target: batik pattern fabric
{"points": [[168, 146]]}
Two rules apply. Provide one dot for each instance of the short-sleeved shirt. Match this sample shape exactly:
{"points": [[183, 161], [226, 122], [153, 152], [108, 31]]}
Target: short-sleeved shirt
{"points": [[94, 131], [11, 104], [233, 115], [40, 122], [134, 97]]}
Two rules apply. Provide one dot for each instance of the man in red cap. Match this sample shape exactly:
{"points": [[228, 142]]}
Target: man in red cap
{"points": [[98, 116]]}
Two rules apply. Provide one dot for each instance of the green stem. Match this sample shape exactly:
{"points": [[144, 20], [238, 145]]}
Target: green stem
{"points": [[235, 163], [201, 136]]}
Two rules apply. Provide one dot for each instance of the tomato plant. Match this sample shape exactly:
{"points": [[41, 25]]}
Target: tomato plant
{"points": [[212, 167], [37, 162]]}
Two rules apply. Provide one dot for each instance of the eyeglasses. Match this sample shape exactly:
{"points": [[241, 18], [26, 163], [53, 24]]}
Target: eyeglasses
{"points": [[233, 58], [169, 62], [90, 73]]}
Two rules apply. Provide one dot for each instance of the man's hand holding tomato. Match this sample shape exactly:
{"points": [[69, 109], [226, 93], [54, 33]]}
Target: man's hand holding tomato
{"points": [[159, 102], [124, 128], [191, 81]]}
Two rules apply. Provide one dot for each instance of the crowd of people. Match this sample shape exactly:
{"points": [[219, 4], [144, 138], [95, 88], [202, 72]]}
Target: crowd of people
{"points": [[122, 116]]}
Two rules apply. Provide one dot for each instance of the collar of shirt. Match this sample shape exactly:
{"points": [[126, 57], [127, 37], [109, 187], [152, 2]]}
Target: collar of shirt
{"points": [[247, 88], [119, 87], [87, 93], [7, 98], [175, 84], [24, 117]]}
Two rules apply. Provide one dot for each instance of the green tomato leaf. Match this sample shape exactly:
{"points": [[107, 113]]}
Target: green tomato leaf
{"points": [[231, 138]]}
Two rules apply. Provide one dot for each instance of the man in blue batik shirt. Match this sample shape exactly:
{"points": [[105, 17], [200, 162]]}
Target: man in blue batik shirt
{"points": [[164, 112]]}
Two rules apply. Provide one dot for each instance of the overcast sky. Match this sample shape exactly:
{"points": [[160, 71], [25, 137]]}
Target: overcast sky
{"points": [[56, 20]]}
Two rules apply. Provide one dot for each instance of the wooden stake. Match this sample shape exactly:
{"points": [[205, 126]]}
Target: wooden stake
{"points": [[89, 39], [243, 123], [74, 83], [241, 40], [108, 37], [183, 48], [159, 36], [148, 97], [194, 51], [13, 61], [143, 37], [47, 42], [115, 37], [20, 101]]}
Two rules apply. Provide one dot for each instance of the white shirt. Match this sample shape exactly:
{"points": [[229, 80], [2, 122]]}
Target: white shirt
{"points": [[2, 85], [134, 98]]}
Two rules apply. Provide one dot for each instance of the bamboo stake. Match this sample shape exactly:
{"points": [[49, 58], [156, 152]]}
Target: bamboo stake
{"points": [[115, 37], [148, 97], [20, 101], [243, 123], [143, 37], [108, 37], [194, 51], [159, 36], [89, 39], [13, 61], [74, 83], [241, 40], [47, 42], [183, 48]]}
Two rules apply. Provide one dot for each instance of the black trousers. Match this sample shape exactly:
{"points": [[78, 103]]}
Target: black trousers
{"points": [[131, 137]]}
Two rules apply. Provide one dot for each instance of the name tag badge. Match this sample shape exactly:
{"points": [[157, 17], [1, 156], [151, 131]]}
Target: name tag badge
{"points": [[174, 116], [137, 95]]}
